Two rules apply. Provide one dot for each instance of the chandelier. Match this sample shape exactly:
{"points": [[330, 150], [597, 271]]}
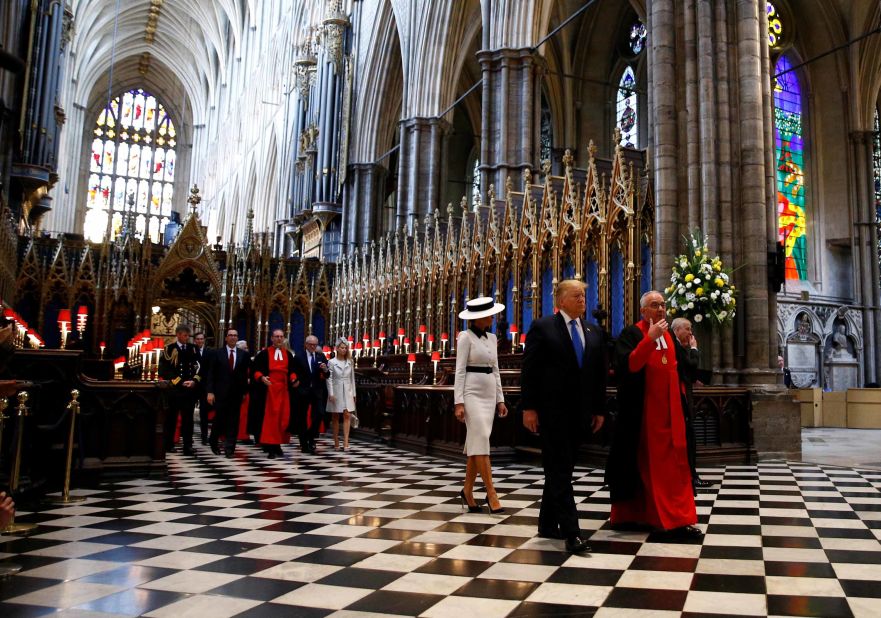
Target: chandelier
{"points": [[305, 65], [334, 32]]}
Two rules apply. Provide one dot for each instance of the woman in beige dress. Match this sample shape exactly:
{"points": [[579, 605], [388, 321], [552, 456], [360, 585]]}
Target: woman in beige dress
{"points": [[478, 396], [341, 392]]}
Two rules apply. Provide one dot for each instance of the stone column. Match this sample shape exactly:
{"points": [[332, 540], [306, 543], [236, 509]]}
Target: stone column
{"points": [[422, 154], [363, 203], [865, 257], [510, 106]]}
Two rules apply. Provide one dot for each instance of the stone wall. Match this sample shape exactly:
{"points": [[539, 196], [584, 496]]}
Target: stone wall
{"points": [[776, 424]]}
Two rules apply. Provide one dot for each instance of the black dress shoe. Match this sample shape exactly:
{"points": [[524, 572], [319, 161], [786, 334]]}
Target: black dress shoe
{"points": [[188, 451], [215, 449], [228, 454], [703, 484], [577, 545], [549, 534], [686, 533]]}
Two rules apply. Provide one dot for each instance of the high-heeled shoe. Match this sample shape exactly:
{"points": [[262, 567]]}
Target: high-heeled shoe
{"points": [[493, 511], [471, 509]]}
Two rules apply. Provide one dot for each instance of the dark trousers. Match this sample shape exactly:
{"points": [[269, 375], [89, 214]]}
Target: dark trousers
{"points": [[305, 429], [204, 408], [691, 445], [180, 404], [226, 421], [558, 510]]}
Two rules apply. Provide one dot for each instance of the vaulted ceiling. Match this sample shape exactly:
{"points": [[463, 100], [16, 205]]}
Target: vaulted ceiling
{"points": [[172, 46]]}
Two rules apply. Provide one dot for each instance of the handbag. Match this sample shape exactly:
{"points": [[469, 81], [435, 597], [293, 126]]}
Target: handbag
{"points": [[353, 420]]}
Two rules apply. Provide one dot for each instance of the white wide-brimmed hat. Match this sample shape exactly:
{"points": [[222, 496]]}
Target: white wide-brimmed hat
{"points": [[480, 308]]}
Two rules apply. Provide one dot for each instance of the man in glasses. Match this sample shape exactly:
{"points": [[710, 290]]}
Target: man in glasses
{"points": [[648, 474]]}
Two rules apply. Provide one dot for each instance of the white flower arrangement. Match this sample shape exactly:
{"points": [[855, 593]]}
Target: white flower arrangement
{"points": [[700, 288]]}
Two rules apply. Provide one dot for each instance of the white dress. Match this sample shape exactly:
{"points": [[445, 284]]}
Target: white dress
{"points": [[340, 384], [480, 392]]}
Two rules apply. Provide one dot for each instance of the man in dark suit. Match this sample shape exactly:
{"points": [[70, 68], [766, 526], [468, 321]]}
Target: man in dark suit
{"points": [[687, 362], [563, 386], [204, 355], [179, 366], [226, 385], [313, 372]]}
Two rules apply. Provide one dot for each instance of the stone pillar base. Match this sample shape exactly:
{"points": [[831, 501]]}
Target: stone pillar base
{"points": [[776, 424]]}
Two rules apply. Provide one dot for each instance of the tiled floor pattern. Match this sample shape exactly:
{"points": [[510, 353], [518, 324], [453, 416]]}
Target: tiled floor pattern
{"points": [[377, 531]]}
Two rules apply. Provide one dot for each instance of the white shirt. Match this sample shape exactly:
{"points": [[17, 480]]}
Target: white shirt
{"points": [[578, 329]]}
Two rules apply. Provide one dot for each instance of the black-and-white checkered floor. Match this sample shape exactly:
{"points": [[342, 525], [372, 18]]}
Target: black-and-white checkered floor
{"points": [[378, 531]]}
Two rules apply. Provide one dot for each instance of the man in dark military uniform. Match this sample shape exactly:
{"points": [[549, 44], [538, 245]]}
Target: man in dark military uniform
{"points": [[204, 355], [179, 365]]}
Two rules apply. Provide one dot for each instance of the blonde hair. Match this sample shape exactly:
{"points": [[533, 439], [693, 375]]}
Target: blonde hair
{"points": [[344, 342], [566, 286]]}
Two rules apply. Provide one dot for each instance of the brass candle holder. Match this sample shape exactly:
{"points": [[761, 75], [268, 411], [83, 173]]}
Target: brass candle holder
{"points": [[66, 498], [22, 409], [6, 568]]}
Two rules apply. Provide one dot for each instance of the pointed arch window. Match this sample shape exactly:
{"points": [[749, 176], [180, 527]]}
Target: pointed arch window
{"points": [[546, 138], [775, 26], [790, 154], [131, 168], [626, 109]]}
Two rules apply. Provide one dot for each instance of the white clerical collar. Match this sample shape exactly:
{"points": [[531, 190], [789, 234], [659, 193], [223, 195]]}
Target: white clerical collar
{"points": [[278, 354], [661, 343]]}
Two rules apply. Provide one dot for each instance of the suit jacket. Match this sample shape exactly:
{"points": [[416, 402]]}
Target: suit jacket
{"points": [[312, 384], [180, 364], [204, 357], [564, 395], [687, 363], [223, 382]]}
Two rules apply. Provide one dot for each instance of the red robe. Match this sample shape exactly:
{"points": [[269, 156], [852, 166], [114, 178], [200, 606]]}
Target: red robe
{"points": [[665, 498], [277, 408]]}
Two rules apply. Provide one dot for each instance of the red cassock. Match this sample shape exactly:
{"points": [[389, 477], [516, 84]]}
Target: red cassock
{"points": [[665, 499], [277, 412], [243, 418]]}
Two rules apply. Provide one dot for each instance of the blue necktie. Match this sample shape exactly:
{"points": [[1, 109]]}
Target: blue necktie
{"points": [[576, 342]]}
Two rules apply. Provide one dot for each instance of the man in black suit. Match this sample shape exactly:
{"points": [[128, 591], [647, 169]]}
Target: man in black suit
{"points": [[563, 386], [313, 372], [688, 363], [204, 355], [179, 366], [226, 385]]}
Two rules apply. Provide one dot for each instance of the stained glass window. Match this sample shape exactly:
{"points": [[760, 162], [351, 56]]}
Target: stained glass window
{"points": [[637, 37], [626, 110], [546, 139], [775, 26], [475, 182], [790, 152], [131, 167]]}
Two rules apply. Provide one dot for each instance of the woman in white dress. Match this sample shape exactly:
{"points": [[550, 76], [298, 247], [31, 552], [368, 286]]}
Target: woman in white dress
{"points": [[341, 392], [478, 396]]}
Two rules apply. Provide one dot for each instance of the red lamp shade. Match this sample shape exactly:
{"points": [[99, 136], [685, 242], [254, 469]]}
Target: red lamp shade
{"points": [[382, 334], [435, 356], [9, 314], [365, 337], [523, 338], [326, 349], [82, 310], [376, 343], [358, 346], [423, 328], [158, 343], [350, 339], [401, 332], [102, 344], [147, 347], [395, 341], [406, 340], [514, 328], [63, 316], [119, 362], [431, 338], [445, 337], [411, 358]]}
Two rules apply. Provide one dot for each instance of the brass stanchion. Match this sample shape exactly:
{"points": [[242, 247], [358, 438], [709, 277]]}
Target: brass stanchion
{"points": [[14, 528], [66, 498], [6, 568]]}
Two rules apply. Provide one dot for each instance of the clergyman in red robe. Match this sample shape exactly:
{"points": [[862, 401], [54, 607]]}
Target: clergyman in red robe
{"points": [[647, 473], [273, 385]]}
